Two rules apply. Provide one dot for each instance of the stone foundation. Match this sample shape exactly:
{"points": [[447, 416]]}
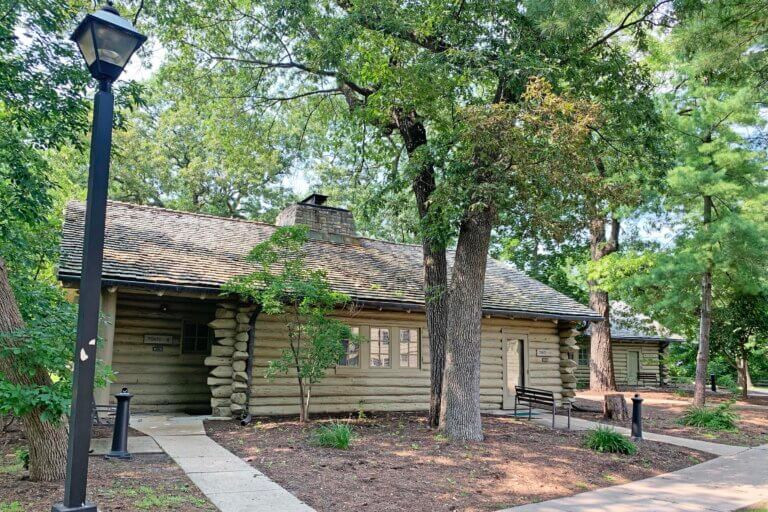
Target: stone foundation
{"points": [[229, 353]]}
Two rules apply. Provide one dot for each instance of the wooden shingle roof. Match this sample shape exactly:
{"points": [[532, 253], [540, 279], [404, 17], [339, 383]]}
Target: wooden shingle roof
{"points": [[160, 248], [630, 326]]}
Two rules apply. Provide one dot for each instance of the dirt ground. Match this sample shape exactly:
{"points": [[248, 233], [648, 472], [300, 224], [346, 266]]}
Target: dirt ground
{"points": [[395, 463], [148, 482], [662, 418]]}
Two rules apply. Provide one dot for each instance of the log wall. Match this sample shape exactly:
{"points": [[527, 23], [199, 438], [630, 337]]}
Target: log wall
{"points": [[161, 381], [649, 360], [372, 389]]}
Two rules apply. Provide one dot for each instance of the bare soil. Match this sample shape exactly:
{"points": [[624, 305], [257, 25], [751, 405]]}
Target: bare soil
{"points": [[396, 463], [148, 482], [663, 419]]}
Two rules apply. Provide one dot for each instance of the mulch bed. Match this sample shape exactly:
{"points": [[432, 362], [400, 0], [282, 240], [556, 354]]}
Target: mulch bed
{"points": [[396, 463], [148, 482], [662, 419]]}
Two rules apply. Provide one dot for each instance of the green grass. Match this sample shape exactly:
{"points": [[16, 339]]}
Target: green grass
{"points": [[335, 435], [14, 506], [149, 498], [607, 440], [720, 417]]}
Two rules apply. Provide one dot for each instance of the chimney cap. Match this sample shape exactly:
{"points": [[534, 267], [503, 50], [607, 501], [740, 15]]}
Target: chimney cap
{"points": [[316, 199]]}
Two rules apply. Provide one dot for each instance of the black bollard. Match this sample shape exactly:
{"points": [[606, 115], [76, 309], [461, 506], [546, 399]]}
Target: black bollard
{"points": [[637, 418], [713, 382], [120, 432]]}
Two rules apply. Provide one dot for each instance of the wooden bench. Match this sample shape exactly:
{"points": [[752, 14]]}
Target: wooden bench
{"points": [[109, 411], [646, 378], [531, 396]]}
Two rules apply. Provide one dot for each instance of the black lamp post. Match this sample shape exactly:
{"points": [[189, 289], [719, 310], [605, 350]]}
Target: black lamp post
{"points": [[106, 42]]}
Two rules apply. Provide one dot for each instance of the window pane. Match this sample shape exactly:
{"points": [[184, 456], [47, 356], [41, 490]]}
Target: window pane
{"points": [[351, 357], [379, 347], [409, 348], [196, 338], [583, 356]]}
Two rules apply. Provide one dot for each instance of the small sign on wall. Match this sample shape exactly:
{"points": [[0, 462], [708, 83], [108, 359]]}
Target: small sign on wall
{"points": [[159, 339], [546, 352]]}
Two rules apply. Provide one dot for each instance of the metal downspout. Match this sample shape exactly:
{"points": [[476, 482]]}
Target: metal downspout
{"points": [[246, 417]]}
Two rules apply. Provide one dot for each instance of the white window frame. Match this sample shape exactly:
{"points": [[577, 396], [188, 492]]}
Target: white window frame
{"points": [[355, 332], [408, 344], [377, 342]]}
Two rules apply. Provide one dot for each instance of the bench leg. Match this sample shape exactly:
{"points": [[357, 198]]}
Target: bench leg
{"points": [[515, 406], [554, 408], [530, 410]]}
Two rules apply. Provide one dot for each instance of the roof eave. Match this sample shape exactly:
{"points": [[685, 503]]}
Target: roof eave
{"points": [[362, 302]]}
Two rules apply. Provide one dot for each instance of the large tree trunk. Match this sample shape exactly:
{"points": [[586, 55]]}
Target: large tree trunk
{"points": [[465, 300], [601, 374], [47, 441], [705, 321], [744, 380], [435, 266]]}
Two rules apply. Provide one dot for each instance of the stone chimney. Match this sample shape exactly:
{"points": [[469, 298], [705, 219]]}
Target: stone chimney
{"points": [[324, 222]]}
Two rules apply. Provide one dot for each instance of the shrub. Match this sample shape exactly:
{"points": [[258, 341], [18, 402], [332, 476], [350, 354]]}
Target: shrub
{"points": [[22, 455], [721, 417], [335, 435], [607, 440]]}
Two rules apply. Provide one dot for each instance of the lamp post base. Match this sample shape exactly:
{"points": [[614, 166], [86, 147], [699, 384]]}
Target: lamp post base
{"points": [[85, 507], [119, 455]]}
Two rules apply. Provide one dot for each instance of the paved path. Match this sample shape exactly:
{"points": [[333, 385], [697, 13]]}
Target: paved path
{"points": [[136, 445], [723, 484], [228, 481], [545, 418]]}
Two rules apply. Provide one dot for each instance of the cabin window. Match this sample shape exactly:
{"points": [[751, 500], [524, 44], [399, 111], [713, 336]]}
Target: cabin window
{"points": [[196, 338], [409, 348], [379, 347], [351, 358], [583, 356]]}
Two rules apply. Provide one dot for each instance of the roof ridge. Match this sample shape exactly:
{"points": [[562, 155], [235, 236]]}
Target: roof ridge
{"points": [[179, 212]]}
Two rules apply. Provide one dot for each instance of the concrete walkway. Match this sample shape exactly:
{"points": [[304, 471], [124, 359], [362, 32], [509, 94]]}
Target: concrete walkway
{"points": [[136, 445], [229, 482], [694, 444], [545, 418], [723, 484]]}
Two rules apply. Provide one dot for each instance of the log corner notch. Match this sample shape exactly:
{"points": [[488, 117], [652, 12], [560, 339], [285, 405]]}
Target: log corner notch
{"points": [[228, 379], [568, 363]]}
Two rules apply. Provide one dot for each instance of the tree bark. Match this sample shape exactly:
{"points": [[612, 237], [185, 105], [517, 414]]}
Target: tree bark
{"points": [[615, 407], [47, 441], [601, 373], [743, 367], [465, 302], [414, 136], [705, 321]]}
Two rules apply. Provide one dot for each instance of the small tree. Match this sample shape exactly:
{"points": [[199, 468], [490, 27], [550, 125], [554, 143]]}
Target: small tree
{"points": [[284, 285]]}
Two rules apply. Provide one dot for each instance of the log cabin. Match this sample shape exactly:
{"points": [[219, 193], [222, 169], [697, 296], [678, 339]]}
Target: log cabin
{"points": [[180, 345], [639, 349]]}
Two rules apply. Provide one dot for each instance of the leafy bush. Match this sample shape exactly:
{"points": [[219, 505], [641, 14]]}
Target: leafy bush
{"points": [[335, 435], [22, 455], [721, 417], [607, 440]]}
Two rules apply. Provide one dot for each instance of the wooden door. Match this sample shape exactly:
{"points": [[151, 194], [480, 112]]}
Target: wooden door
{"points": [[514, 368], [633, 367]]}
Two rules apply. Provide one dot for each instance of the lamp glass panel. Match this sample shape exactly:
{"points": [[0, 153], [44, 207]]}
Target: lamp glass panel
{"points": [[85, 42], [114, 46]]}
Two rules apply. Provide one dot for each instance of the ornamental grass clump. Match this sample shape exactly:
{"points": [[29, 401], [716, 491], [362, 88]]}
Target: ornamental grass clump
{"points": [[607, 440], [721, 417], [335, 435]]}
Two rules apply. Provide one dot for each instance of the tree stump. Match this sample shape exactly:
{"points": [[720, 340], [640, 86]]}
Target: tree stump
{"points": [[615, 407]]}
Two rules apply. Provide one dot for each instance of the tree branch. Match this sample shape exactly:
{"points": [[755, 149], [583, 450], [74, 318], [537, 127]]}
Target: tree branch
{"points": [[625, 23]]}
